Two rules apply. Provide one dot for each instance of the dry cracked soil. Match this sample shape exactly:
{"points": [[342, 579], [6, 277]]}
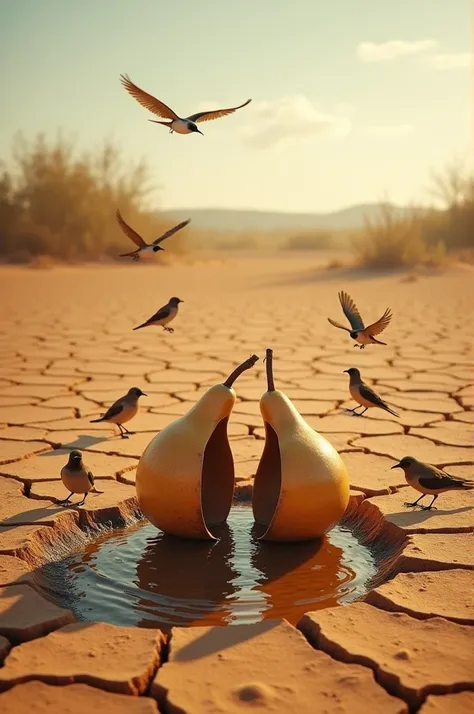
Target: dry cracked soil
{"points": [[68, 350]]}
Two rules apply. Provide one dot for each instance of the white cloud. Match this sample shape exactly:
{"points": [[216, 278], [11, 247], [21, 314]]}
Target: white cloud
{"points": [[290, 118], [452, 60], [389, 129], [384, 51]]}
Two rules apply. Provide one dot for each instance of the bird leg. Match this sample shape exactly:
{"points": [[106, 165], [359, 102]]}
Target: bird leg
{"points": [[135, 256], [123, 433], [127, 431], [358, 413], [81, 503], [168, 329], [428, 508], [62, 503], [415, 502]]}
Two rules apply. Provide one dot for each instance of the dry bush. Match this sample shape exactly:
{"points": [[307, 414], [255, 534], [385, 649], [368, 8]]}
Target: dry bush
{"points": [[454, 224], [310, 240], [57, 202], [393, 241]]}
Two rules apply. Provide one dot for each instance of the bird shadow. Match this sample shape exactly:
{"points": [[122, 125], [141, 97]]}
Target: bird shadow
{"points": [[84, 441], [31, 517], [420, 516]]}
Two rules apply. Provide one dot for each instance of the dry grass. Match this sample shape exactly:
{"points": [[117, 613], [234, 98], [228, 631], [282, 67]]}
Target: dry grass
{"points": [[425, 237], [390, 241], [57, 202]]}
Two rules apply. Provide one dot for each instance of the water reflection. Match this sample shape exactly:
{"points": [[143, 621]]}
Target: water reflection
{"points": [[139, 576]]}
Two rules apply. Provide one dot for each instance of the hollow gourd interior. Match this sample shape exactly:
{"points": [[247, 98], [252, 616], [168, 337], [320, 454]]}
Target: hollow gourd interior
{"points": [[217, 476], [267, 485]]}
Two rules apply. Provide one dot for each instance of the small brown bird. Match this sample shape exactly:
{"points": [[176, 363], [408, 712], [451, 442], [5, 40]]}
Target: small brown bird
{"points": [[185, 125], [429, 480], [364, 395], [145, 248], [122, 411], [164, 315], [77, 478], [361, 334]]}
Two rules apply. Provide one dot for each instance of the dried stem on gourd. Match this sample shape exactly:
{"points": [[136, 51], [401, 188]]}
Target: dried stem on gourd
{"points": [[269, 361], [238, 370]]}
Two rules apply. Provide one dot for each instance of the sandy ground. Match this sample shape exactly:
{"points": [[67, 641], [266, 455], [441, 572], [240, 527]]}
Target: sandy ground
{"points": [[68, 350]]}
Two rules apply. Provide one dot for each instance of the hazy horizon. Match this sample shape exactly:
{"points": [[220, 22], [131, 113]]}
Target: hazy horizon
{"points": [[351, 100]]}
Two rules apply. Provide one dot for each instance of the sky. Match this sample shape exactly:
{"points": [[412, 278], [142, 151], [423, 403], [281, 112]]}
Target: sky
{"points": [[352, 100]]}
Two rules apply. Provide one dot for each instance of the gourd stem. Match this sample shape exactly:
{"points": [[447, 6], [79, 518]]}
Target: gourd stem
{"points": [[269, 361], [238, 370]]}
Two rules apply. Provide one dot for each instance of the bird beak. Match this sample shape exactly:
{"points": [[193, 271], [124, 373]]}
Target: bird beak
{"points": [[143, 394], [346, 370], [397, 466], [181, 300]]}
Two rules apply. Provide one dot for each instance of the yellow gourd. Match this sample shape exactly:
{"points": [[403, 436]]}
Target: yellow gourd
{"points": [[301, 487], [185, 477]]}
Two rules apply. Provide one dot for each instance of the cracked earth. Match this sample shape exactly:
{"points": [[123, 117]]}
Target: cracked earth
{"points": [[68, 351]]}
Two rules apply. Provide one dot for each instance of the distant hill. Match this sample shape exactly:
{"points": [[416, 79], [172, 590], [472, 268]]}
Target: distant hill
{"points": [[227, 219]]}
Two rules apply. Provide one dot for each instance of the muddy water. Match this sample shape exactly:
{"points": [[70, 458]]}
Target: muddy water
{"points": [[138, 576]]}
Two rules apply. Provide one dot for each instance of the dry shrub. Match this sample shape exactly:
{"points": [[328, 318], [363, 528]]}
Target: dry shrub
{"points": [[392, 241], [57, 202], [310, 240]]}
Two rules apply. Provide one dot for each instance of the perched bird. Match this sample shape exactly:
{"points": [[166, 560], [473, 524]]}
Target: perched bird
{"points": [[77, 478], [164, 315], [181, 125], [122, 411], [361, 334], [428, 480], [143, 247], [363, 394]]}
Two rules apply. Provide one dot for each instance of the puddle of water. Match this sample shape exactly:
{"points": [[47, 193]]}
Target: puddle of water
{"points": [[140, 577]]}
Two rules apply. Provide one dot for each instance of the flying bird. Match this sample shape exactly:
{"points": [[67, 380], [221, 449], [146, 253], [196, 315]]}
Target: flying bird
{"points": [[429, 480], [364, 395], [122, 411], [164, 315], [180, 125], [361, 334], [77, 478], [143, 247]]}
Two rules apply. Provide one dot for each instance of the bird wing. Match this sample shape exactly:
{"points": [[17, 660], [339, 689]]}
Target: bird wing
{"points": [[160, 315], [216, 113], [171, 232], [434, 478], [114, 410], [381, 324], [147, 100], [90, 477], [433, 482], [338, 324], [368, 393], [133, 235], [350, 311]]}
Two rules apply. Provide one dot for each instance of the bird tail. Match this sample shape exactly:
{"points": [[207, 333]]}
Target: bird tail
{"points": [[164, 123], [390, 411], [377, 342], [144, 324], [93, 421], [468, 485]]}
